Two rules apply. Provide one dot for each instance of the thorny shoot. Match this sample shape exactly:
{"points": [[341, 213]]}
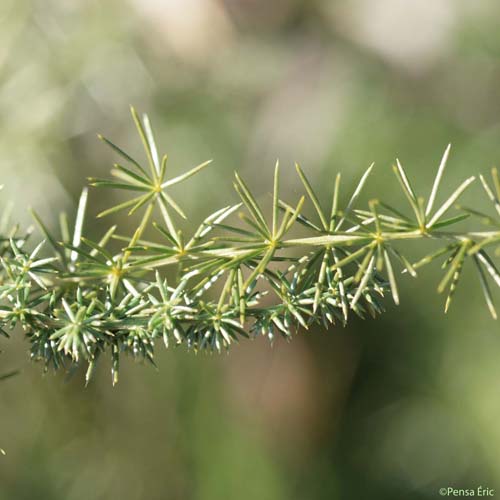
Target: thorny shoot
{"points": [[77, 298]]}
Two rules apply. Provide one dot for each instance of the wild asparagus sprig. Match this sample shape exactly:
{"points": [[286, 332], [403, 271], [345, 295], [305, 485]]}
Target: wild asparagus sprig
{"points": [[252, 276]]}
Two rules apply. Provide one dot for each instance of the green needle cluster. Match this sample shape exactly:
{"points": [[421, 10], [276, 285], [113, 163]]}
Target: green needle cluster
{"points": [[239, 274]]}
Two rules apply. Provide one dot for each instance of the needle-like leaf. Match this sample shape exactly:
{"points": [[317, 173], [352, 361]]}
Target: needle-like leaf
{"points": [[312, 196], [449, 202], [437, 181], [127, 175], [408, 190], [151, 142], [186, 175], [275, 199], [486, 289], [354, 197], [364, 282], [120, 206], [80, 218], [122, 153], [485, 259], [392, 279], [490, 194], [251, 204], [150, 151]]}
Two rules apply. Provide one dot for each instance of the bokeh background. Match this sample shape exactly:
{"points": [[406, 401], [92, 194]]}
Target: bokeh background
{"points": [[388, 409]]}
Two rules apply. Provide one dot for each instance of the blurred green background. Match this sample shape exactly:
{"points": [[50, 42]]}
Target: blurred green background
{"points": [[388, 409]]}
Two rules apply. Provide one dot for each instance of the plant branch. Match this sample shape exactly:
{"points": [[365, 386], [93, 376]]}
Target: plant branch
{"points": [[254, 274]]}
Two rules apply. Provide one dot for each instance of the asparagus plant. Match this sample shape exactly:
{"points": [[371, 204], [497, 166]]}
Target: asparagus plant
{"points": [[76, 298]]}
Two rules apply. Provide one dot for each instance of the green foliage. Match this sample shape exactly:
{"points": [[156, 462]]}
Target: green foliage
{"points": [[233, 279]]}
